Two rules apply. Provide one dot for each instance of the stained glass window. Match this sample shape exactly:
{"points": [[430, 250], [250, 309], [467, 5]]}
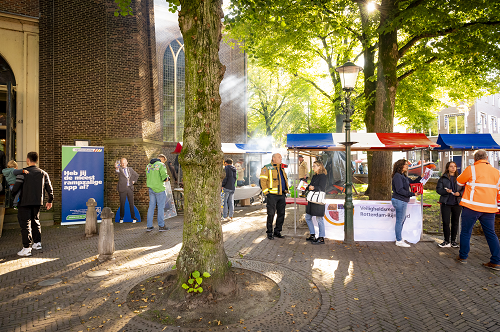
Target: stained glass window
{"points": [[173, 91]]}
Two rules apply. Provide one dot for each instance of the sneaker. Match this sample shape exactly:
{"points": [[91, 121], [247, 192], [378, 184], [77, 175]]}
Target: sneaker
{"points": [[163, 229], [444, 244], [454, 244], [121, 221], [37, 246], [134, 221], [492, 266], [402, 243], [25, 252], [149, 229], [461, 260]]}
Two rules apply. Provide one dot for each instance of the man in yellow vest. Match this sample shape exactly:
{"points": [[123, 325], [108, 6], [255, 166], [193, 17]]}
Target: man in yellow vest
{"points": [[479, 202], [274, 184]]}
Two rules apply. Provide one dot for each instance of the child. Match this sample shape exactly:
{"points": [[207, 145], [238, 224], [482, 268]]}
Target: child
{"points": [[10, 174]]}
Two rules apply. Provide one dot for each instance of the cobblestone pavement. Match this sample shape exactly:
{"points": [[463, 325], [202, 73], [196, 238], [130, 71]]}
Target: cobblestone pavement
{"points": [[368, 286]]}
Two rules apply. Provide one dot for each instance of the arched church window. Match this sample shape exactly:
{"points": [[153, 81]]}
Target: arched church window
{"points": [[173, 91]]}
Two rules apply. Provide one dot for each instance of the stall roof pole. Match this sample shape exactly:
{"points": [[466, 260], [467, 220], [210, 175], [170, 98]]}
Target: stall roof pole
{"points": [[296, 193], [422, 196]]}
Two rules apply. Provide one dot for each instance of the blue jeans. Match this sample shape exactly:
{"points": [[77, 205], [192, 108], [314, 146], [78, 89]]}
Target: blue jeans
{"points": [[156, 199], [487, 220], [321, 225], [228, 203], [400, 207]]}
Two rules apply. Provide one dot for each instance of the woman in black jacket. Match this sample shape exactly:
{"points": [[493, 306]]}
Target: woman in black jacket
{"points": [[318, 183], [401, 196], [451, 194]]}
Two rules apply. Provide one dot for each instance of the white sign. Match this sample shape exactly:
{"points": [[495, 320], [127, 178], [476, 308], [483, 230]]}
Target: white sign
{"points": [[373, 221]]}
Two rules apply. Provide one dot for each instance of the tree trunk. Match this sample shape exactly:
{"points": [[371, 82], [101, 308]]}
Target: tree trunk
{"points": [[201, 157], [384, 103], [339, 122], [370, 85]]}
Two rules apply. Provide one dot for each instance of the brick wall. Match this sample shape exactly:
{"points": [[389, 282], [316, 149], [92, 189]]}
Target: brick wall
{"points": [[21, 7], [97, 82]]}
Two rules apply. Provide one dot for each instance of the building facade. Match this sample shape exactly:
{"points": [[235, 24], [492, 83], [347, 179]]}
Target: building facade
{"points": [[483, 117], [84, 74]]}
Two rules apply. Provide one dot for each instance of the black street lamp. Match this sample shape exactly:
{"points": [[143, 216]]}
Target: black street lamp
{"points": [[348, 75]]}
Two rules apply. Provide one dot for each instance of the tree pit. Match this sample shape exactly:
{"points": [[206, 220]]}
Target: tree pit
{"points": [[255, 295]]}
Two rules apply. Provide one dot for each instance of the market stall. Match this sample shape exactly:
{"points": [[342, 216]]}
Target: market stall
{"points": [[467, 142], [242, 192], [363, 229]]}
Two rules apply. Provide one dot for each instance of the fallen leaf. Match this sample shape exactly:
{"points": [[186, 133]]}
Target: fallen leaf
{"points": [[356, 298], [179, 317]]}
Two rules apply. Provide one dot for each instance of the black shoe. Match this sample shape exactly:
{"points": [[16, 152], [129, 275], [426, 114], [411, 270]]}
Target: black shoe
{"points": [[311, 237], [319, 240], [278, 235], [454, 244], [270, 236]]}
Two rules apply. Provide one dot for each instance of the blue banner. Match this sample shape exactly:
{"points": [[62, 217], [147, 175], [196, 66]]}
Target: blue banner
{"points": [[82, 178]]}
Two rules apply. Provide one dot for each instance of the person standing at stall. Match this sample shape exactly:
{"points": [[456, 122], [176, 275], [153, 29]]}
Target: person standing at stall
{"points": [[450, 195], [479, 202], [318, 183], [274, 184], [401, 196], [228, 185]]}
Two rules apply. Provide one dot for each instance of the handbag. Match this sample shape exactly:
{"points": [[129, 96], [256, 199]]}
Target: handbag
{"points": [[316, 197]]}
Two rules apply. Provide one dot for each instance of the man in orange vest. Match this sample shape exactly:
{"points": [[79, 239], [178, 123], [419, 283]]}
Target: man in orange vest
{"points": [[479, 201]]}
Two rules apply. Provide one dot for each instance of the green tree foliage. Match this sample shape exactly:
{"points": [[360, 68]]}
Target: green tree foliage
{"points": [[297, 37], [280, 103], [399, 40]]}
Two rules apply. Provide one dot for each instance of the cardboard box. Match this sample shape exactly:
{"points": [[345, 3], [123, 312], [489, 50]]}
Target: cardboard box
{"points": [[245, 202]]}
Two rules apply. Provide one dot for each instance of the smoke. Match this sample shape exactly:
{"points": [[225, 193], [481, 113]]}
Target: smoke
{"points": [[232, 90], [262, 143]]}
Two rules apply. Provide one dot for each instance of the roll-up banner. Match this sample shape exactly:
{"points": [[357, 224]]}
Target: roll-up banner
{"points": [[82, 178]]}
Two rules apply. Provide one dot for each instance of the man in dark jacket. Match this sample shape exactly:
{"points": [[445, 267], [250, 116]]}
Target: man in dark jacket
{"points": [[127, 177], [229, 188], [32, 186]]}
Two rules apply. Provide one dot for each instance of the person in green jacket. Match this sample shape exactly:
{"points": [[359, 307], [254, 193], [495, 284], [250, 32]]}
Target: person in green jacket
{"points": [[156, 175]]}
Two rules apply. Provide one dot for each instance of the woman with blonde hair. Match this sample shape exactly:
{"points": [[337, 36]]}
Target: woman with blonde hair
{"points": [[318, 183]]}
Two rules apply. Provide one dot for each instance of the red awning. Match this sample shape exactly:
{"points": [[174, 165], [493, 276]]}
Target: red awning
{"points": [[405, 141]]}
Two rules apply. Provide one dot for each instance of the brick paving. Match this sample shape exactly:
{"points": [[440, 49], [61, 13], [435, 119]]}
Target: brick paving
{"points": [[368, 286]]}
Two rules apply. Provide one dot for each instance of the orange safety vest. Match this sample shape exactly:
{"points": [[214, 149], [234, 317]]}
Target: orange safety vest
{"points": [[482, 184]]}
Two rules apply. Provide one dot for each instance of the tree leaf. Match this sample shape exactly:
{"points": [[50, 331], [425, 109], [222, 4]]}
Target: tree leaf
{"points": [[206, 275], [185, 286], [199, 280], [196, 274], [190, 281]]}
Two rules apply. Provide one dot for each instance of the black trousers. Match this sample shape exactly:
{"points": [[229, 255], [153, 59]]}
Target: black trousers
{"points": [[275, 204], [450, 212], [129, 194], [29, 220]]}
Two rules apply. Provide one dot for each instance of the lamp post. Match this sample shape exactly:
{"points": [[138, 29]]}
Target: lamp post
{"points": [[348, 75]]}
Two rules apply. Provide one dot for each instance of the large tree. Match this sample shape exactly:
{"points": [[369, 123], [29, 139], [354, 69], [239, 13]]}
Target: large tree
{"points": [[201, 156]]}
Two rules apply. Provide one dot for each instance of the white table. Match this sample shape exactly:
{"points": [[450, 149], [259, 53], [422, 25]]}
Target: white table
{"points": [[246, 192]]}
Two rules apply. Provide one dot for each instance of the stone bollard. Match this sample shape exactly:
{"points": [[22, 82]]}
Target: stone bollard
{"points": [[91, 218], [106, 244]]}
